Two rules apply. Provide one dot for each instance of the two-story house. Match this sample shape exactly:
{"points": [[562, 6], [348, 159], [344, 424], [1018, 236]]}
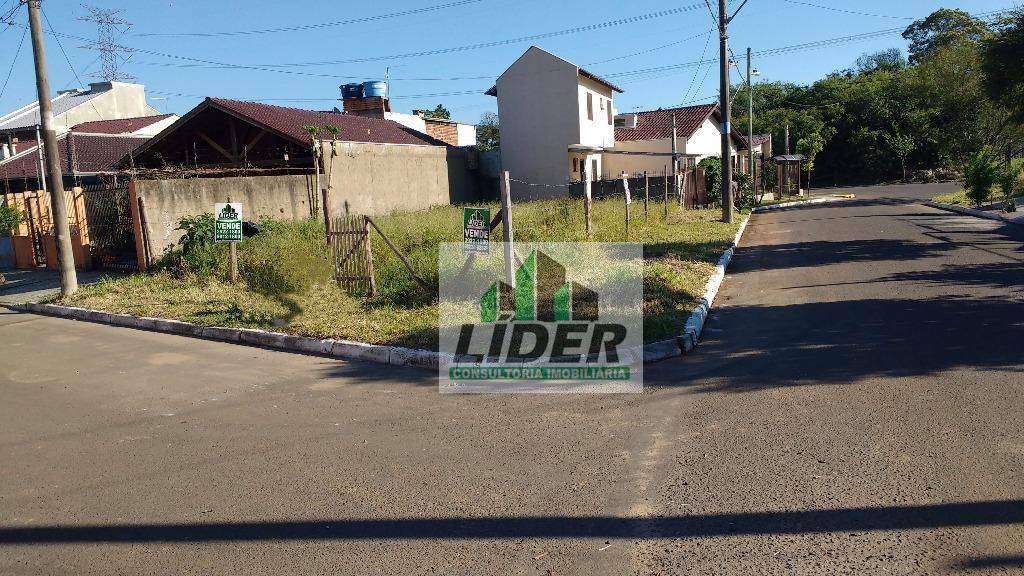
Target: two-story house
{"points": [[556, 120]]}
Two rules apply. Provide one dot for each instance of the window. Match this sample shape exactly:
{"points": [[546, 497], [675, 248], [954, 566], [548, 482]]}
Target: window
{"points": [[611, 119], [594, 171], [575, 165], [590, 106], [601, 100]]}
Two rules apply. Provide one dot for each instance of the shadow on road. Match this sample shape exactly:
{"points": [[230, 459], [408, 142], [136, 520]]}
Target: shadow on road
{"points": [[823, 252], [960, 514]]}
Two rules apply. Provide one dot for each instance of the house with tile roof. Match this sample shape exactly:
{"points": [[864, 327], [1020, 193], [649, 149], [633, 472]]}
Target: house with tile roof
{"points": [[698, 135], [556, 120], [102, 101], [86, 151]]}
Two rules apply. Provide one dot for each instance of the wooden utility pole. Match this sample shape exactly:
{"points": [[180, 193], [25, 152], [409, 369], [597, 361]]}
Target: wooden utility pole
{"points": [[61, 225], [588, 196], [647, 193], [506, 228], [666, 191], [725, 109], [750, 117]]}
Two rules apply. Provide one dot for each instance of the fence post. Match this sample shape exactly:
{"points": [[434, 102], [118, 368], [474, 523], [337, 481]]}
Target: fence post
{"points": [[629, 200], [666, 191], [368, 248], [587, 199], [140, 246], [506, 228], [647, 193]]}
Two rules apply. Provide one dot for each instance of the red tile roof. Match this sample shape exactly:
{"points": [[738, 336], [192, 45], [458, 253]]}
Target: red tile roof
{"points": [[761, 138], [657, 124], [288, 122], [122, 126], [91, 154]]}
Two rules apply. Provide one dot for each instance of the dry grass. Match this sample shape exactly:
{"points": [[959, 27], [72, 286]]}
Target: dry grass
{"points": [[680, 255]]}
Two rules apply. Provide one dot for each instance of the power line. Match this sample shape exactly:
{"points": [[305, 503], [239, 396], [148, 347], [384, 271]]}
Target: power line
{"points": [[317, 26], [13, 62], [107, 22], [656, 48], [70, 65], [855, 12]]}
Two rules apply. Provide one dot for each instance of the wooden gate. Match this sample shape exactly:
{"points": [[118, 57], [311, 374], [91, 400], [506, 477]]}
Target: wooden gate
{"points": [[352, 254]]}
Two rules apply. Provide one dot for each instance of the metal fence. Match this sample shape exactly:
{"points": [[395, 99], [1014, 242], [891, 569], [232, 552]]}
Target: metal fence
{"points": [[108, 212]]}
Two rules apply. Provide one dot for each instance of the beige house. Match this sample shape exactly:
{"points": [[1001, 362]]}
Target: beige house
{"points": [[643, 140], [556, 120]]}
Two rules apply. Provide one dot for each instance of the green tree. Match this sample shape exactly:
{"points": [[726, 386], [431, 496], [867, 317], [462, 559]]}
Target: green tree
{"points": [[712, 166], [440, 112], [942, 29], [810, 146], [890, 60], [488, 137], [1003, 63], [981, 174], [901, 145]]}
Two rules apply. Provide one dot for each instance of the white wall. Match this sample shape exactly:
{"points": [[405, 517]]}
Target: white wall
{"points": [[539, 115], [467, 134], [598, 131], [408, 120]]}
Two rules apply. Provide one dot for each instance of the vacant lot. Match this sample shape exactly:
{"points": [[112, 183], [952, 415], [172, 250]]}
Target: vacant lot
{"points": [[286, 282]]}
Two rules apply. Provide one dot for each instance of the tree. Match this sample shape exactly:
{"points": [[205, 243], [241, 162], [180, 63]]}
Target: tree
{"points": [[487, 135], [981, 174], [810, 146], [1003, 63], [712, 166], [901, 145], [440, 112], [10, 217], [890, 60], [941, 29]]}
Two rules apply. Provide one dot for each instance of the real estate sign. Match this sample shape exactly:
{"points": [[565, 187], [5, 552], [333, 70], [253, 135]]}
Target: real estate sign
{"points": [[228, 227], [476, 230]]}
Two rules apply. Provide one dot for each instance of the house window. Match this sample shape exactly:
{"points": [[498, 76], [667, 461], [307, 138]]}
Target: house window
{"points": [[590, 106], [601, 100], [611, 119], [575, 165], [594, 172]]}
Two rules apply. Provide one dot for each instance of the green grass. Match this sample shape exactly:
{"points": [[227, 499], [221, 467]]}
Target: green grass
{"points": [[277, 293], [959, 198]]}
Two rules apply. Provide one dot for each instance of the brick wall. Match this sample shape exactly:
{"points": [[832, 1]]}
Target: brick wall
{"points": [[443, 131]]}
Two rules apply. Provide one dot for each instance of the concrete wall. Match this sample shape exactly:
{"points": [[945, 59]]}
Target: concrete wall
{"points": [[122, 100], [167, 201], [381, 178], [616, 164], [538, 109], [599, 131]]}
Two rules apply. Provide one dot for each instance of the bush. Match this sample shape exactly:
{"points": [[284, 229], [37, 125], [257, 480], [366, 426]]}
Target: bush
{"points": [[981, 174], [196, 253], [10, 217], [1010, 206], [712, 166], [746, 186], [286, 257], [1011, 179]]}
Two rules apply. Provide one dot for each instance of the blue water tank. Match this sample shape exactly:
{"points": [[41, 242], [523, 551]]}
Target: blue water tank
{"points": [[375, 88], [352, 91]]}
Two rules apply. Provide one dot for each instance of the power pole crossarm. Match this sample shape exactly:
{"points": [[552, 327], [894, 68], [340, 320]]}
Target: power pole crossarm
{"points": [[62, 228]]}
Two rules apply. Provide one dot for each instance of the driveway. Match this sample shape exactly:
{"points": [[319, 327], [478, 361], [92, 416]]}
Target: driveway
{"points": [[855, 408]]}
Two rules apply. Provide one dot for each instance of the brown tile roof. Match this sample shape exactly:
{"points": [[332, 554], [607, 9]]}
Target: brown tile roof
{"points": [[91, 154], [288, 123], [657, 124], [761, 138], [122, 126]]}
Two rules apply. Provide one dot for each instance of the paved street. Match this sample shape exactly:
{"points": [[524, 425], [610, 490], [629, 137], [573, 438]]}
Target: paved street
{"points": [[856, 407]]}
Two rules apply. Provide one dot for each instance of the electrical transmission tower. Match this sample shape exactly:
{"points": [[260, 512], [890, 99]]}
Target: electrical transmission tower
{"points": [[109, 30]]}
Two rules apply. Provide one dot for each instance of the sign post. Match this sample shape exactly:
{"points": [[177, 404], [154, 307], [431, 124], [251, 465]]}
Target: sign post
{"points": [[228, 228], [476, 230]]}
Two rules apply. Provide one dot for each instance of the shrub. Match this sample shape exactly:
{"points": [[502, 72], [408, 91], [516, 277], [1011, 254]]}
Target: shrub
{"points": [[10, 217], [286, 257], [1011, 179], [712, 166], [981, 174], [1010, 206], [196, 253]]}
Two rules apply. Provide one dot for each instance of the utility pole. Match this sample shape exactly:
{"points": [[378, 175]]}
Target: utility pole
{"points": [[725, 109], [750, 117], [787, 139], [62, 228]]}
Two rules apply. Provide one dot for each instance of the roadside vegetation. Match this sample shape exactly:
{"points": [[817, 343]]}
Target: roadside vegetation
{"points": [[286, 276]]}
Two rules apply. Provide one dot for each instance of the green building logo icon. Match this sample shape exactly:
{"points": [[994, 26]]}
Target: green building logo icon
{"points": [[541, 294]]}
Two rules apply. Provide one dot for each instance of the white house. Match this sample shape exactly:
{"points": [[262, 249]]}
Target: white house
{"points": [[698, 135], [556, 118]]}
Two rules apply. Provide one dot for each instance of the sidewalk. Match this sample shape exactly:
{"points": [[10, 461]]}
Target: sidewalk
{"points": [[35, 284]]}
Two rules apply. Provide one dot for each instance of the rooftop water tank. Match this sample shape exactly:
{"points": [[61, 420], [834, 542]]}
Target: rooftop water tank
{"points": [[373, 88], [352, 91]]}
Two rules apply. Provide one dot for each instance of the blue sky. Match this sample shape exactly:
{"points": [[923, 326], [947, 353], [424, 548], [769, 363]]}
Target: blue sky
{"points": [[618, 51]]}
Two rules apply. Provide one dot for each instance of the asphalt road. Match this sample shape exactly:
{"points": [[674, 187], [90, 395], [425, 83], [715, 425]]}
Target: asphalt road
{"points": [[855, 408]]}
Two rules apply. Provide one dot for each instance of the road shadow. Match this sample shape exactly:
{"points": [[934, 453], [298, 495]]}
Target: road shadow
{"points": [[865, 519], [990, 562], [749, 348], [1004, 275], [824, 252]]}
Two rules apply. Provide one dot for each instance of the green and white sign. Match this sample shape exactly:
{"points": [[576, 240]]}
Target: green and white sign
{"points": [[476, 227], [229, 222]]}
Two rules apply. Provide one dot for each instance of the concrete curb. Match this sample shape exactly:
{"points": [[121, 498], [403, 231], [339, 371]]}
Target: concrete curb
{"points": [[687, 341], [393, 355], [344, 349], [972, 212]]}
